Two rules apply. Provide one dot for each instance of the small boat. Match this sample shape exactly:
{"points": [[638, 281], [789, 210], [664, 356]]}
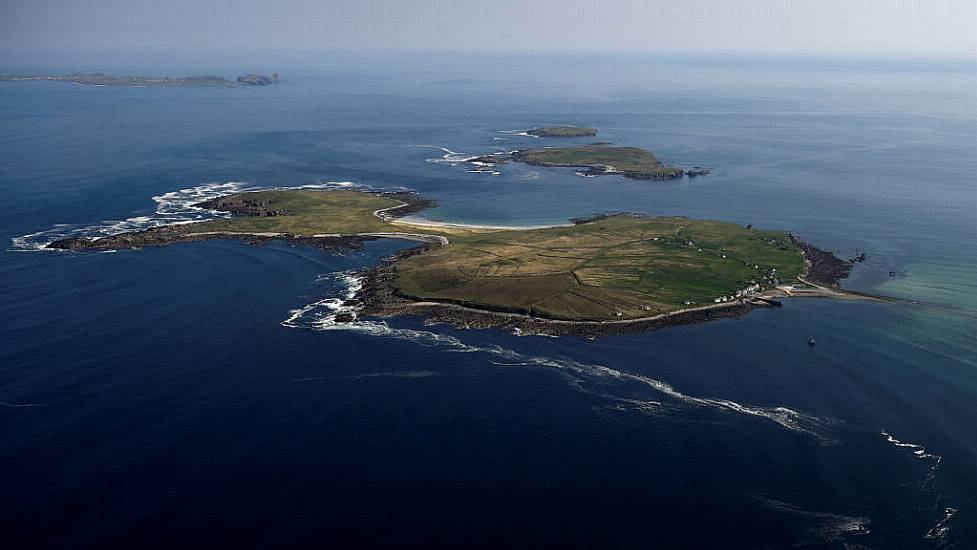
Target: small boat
{"points": [[811, 341]]}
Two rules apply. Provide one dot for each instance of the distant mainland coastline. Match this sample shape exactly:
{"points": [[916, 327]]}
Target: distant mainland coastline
{"points": [[102, 79]]}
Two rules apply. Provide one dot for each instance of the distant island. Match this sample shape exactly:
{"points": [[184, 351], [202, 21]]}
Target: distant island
{"points": [[620, 272], [101, 79], [597, 159], [562, 131]]}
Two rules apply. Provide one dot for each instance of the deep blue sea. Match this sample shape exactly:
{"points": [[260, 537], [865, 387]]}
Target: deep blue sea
{"points": [[189, 396]]}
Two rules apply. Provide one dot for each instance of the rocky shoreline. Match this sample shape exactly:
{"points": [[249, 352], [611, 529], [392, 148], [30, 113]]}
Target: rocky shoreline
{"points": [[562, 132], [412, 203], [824, 268], [378, 298], [588, 170], [239, 204], [167, 235]]}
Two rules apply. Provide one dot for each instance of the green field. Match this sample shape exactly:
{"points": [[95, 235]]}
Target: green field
{"points": [[631, 161], [618, 267], [623, 266], [309, 213], [562, 131]]}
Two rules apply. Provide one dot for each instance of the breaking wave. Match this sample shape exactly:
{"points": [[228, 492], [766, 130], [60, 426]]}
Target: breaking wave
{"points": [[449, 157], [323, 314], [618, 387], [455, 158], [918, 450], [522, 133], [175, 207], [18, 405], [172, 208], [942, 528]]}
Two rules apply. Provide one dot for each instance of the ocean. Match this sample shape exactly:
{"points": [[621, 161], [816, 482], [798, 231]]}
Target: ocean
{"points": [[197, 394]]}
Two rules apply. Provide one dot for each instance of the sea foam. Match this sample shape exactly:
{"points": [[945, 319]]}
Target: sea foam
{"points": [[592, 378], [172, 208], [942, 527]]}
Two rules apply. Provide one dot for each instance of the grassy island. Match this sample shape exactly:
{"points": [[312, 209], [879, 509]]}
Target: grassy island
{"points": [[597, 159], [616, 268], [562, 131]]}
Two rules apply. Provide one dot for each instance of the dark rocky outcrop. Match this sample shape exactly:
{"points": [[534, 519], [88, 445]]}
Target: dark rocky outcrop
{"points": [[824, 268], [562, 132], [253, 79], [163, 236], [241, 205], [412, 203]]}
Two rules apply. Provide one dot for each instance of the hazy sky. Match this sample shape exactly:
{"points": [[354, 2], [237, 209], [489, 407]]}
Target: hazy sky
{"points": [[925, 28]]}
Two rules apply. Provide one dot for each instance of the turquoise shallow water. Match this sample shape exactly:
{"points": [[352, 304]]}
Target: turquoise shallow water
{"points": [[190, 395]]}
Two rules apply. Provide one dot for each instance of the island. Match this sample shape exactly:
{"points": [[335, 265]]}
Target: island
{"points": [[596, 159], [562, 131], [101, 79], [612, 273]]}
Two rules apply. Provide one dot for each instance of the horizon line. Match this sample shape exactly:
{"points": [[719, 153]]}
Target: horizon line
{"points": [[797, 54]]}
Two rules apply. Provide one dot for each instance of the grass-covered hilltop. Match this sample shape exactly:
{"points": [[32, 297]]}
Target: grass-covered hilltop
{"points": [[598, 159], [589, 277], [562, 131]]}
